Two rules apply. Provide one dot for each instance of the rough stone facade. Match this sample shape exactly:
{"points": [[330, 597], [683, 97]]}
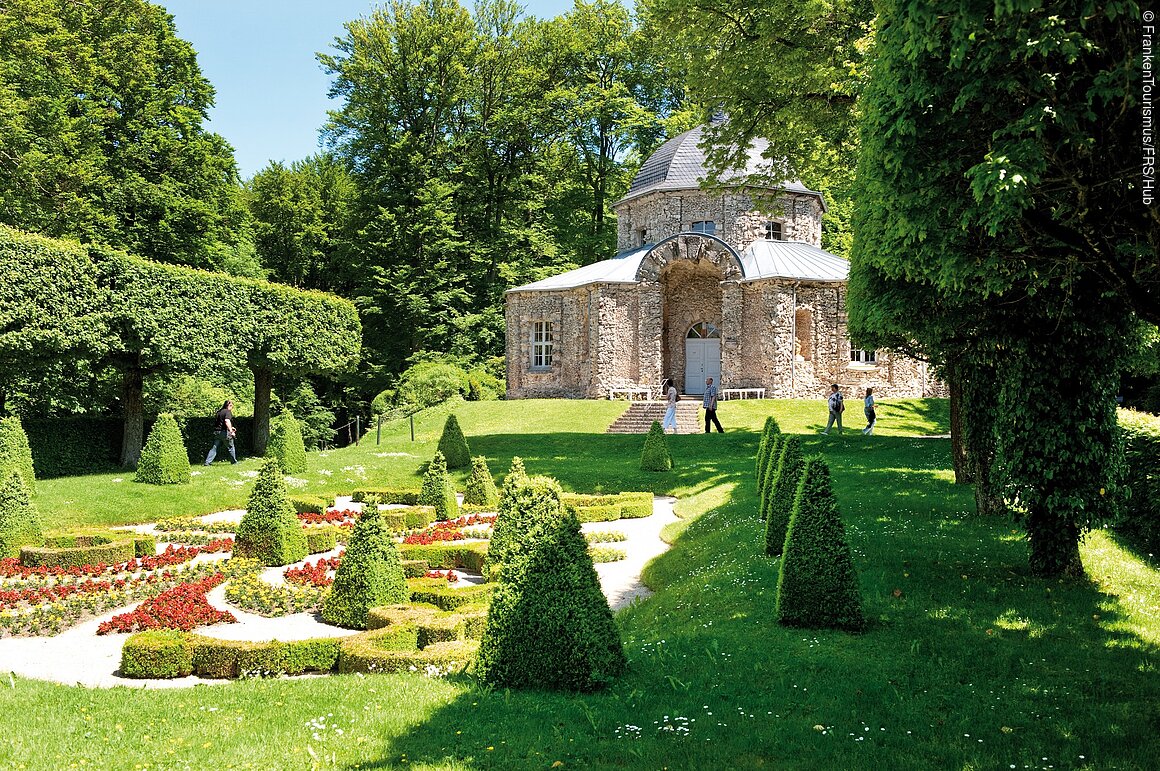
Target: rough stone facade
{"points": [[786, 336]]}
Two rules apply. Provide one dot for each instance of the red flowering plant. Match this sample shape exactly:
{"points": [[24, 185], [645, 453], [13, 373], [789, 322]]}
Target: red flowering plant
{"points": [[343, 518], [465, 521], [183, 607], [316, 574], [173, 555], [449, 575], [433, 536]]}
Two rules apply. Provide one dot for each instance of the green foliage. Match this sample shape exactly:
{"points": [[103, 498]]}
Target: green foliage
{"points": [[549, 625], [76, 550], [15, 452], [370, 574], [469, 557], [429, 383], [782, 493], [438, 490], [320, 539], [817, 586], [483, 386], [768, 431], [654, 456], [525, 503], [19, 519], [435, 591], [481, 490], [1139, 512], [286, 444], [164, 460], [773, 450], [314, 419], [453, 444], [269, 531], [157, 653], [516, 475], [386, 495]]}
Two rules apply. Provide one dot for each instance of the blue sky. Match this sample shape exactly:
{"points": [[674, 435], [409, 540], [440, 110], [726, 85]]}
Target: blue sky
{"points": [[259, 55]]}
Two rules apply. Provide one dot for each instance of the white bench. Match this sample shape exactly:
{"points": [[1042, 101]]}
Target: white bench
{"points": [[742, 393], [632, 393]]}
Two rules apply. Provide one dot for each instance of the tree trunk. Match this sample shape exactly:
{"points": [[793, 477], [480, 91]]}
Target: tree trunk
{"points": [[1054, 546], [263, 384], [132, 387], [959, 457]]}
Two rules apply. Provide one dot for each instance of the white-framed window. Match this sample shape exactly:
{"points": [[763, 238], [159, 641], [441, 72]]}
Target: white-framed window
{"points": [[773, 231], [708, 227], [860, 356], [541, 344]]}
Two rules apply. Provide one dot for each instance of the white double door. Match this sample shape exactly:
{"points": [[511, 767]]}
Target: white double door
{"points": [[702, 360]]}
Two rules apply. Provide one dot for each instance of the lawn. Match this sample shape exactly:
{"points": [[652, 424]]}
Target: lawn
{"points": [[969, 662]]}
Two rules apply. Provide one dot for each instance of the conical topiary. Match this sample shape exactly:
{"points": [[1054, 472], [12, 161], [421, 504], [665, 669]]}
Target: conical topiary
{"points": [[817, 586], [480, 486], [526, 501], [654, 456], [438, 490], [164, 460], [453, 444], [286, 444], [370, 574], [772, 456], [516, 474], [782, 489], [270, 531], [19, 520], [768, 432], [15, 451], [549, 625]]}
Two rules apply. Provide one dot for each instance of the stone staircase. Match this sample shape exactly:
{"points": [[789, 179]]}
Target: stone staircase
{"points": [[639, 417]]}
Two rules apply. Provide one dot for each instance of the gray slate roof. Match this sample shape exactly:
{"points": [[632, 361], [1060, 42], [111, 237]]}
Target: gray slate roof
{"points": [[762, 259], [679, 164]]}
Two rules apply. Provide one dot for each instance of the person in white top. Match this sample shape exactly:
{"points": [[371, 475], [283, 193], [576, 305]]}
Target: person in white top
{"points": [[671, 408], [871, 415], [837, 407]]}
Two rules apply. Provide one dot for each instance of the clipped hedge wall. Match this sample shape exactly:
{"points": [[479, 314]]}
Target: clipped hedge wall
{"points": [[608, 508], [468, 556], [320, 539], [75, 551], [311, 504], [437, 592], [386, 496], [1139, 512], [409, 518], [168, 653], [381, 651], [157, 653]]}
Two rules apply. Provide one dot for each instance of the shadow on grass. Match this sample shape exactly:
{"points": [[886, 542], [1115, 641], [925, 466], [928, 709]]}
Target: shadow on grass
{"points": [[963, 643]]}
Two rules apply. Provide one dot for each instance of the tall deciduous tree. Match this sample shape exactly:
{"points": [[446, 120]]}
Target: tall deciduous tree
{"points": [[101, 112]]}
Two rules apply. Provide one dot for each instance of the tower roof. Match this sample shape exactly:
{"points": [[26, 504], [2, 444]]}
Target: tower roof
{"points": [[679, 164]]}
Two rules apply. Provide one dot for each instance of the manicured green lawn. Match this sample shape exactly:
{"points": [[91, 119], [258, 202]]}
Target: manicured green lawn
{"points": [[969, 662]]}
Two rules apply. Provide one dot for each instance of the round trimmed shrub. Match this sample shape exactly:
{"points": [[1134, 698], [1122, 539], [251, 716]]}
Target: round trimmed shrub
{"points": [[782, 491], [19, 520], [654, 456], [526, 502], [549, 624], [770, 430], [453, 444], [269, 531], [370, 575], [438, 490], [817, 586], [429, 383], [15, 452], [164, 460], [286, 445], [480, 485]]}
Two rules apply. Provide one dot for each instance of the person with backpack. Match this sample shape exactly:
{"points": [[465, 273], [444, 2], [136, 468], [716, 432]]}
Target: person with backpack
{"points": [[837, 407], [224, 432]]}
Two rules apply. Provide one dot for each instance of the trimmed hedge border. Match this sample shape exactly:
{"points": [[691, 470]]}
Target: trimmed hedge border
{"points": [[386, 495], [608, 508], [435, 591], [468, 556], [320, 539], [409, 518], [76, 550], [311, 504]]}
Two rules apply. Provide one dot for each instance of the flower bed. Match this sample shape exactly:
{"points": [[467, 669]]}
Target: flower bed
{"points": [[433, 536], [194, 523], [184, 607], [465, 521], [343, 518], [11, 568], [251, 593], [314, 574]]}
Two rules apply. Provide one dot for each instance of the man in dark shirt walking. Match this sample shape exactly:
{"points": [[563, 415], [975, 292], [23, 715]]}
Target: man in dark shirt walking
{"points": [[224, 431], [710, 405]]}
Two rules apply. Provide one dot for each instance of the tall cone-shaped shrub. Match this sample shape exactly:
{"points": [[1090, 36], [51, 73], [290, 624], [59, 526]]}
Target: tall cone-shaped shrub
{"points": [[19, 520], [453, 444], [164, 460], [772, 456], [525, 502], [15, 453], [817, 586], [270, 531], [782, 493], [286, 445], [516, 475], [480, 485], [770, 430], [438, 490], [654, 456], [549, 625], [370, 574]]}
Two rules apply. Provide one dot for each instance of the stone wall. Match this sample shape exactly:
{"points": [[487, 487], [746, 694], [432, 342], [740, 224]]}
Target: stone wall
{"points": [[740, 217]]}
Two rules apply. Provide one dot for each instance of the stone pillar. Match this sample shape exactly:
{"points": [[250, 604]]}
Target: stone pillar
{"points": [[650, 334], [732, 333]]}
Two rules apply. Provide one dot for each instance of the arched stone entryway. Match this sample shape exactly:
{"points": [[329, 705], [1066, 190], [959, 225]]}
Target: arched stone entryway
{"points": [[702, 356]]}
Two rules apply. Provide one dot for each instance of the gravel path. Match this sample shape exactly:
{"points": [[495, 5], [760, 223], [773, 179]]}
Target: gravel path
{"points": [[79, 656]]}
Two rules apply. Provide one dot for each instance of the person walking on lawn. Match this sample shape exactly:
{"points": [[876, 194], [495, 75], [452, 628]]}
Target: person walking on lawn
{"points": [[224, 432], [670, 420], [710, 405], [871, 415], [837, 407]]}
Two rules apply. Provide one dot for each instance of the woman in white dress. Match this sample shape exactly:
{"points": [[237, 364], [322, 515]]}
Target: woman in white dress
{"points": [[671, 408]]}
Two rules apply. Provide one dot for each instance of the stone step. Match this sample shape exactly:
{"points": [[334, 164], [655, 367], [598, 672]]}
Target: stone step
{"points": [[639, 417]]}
